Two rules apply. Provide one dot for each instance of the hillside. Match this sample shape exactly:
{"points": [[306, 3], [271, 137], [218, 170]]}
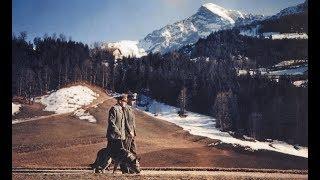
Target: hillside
{"points": [[59, 141]]}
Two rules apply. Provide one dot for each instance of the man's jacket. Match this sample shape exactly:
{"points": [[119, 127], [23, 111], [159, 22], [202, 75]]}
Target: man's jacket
{"points": [[116, 123], [130, 122]]}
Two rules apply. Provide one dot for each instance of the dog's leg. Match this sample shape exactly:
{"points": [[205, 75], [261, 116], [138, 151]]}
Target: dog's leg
{"points": [[106, 165], [116, 164]]}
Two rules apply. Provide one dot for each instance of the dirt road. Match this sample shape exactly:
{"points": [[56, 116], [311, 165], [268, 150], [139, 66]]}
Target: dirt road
{"points": [[156, 174]]}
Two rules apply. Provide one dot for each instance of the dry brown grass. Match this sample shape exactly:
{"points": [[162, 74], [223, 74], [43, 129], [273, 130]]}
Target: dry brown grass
{"points": [[67, 141]]}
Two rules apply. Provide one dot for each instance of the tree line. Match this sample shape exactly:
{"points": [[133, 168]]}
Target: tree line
{"points": [[51, 62], [251, 105]]}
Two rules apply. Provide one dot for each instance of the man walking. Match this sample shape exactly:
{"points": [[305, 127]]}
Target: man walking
{"points": [[116, 125], [131, 124], [130, 129], [120, 134]]}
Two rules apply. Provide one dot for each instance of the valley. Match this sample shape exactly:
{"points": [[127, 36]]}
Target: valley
{"points": [[67, 141]]}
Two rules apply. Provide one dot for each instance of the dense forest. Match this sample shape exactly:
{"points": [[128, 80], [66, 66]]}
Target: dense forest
{"points": [[51, 62], [247, 52], [252, 105]]}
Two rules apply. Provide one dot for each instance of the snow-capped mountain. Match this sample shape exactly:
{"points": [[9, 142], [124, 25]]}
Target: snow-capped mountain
{"points": [[289, 23], [209, 18], [300, 8], [249, 19]]}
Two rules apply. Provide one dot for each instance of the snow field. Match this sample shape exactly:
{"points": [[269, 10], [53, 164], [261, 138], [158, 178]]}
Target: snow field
{"points": [[253, 32], [290, 36], [68, 99], [202, 125]]}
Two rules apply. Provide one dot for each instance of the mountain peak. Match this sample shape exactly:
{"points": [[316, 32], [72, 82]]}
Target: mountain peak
{"points": [[209, 18], [218, 10]]}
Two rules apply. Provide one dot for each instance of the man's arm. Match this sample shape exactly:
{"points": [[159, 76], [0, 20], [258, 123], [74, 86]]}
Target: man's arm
{"points": [[112, 120], [134, 123], [130, 121]]}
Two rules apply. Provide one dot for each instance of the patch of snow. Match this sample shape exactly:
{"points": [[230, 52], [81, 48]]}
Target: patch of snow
{"points": [[294, 71], [247, 19], [17, 121], [125, 48], [254, 32], [290, 62], [269, 35], [242, 72], [290, 36], [300, 83], [251, 31], [166, 34], [68, 99], [192, 27], [262, 71], [105, 64], [202, 125], [15, 108], [83, 115]]}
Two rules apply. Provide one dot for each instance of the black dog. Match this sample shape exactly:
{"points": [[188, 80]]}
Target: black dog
{"points": [[102, 161], [129, 162]]}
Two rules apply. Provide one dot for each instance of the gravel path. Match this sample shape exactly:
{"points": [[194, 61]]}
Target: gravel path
{"points": [[152, 174]]}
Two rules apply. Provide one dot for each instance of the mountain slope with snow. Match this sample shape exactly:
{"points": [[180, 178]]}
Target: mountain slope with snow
{"points": [[300, 8], [289, 23], [209, 18], [202, 125]]}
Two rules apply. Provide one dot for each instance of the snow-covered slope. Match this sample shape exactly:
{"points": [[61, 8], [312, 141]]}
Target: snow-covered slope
{"points": [[290, 36], [293, 71], [209, 18], [289, 23], [292, 10], [68, 99], [249, 19], [254, 32], [291, 62], [202, 125]]}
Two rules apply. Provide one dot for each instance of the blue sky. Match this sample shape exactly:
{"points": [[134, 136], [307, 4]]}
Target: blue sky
{"points": [[91, 21]]}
